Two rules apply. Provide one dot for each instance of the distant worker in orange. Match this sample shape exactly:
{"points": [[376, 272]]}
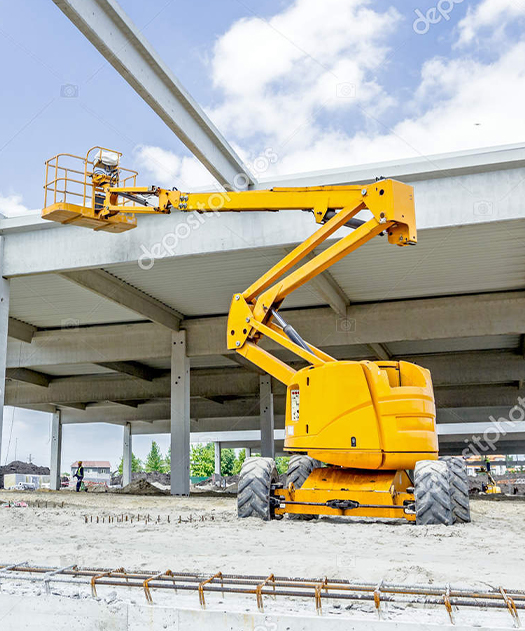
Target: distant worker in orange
{"points": [[79, 475]]}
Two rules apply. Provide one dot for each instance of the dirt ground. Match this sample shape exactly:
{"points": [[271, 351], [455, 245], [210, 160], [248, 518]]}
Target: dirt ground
{"points": [[489, 551]]}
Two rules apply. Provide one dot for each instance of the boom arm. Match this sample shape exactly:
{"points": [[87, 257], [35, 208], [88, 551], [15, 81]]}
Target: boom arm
{"points": [[254, 313]]}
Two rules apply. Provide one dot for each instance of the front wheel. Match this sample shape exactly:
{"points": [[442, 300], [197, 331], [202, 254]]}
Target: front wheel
{"points": [[458, 480], [432, 493], [255, 485], [299, 468]]}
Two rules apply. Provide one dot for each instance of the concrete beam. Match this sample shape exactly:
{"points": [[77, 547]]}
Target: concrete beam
{"points": [[26, 375], [121, 43], [112, 288], [56, 450], [484, 367], [135, 369], [4, 325], [326, 288], [217, 451], [180, 416], [380, 351], [21, 330], [122, 342], [421, 319], [267, 417], [478, 396], [127, 450], [213, 384]]}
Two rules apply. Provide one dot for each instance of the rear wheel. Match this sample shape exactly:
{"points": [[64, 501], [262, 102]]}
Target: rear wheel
{"points": [[299, 468], [432, 493], [255, 484], [458, 480]]}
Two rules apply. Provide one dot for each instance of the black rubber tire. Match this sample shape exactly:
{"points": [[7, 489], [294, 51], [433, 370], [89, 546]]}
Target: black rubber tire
{"points": [[255, 481], [458, 480], [299, 468], [432, 493]]}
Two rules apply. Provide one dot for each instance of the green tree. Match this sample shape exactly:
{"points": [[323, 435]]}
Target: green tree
{"points": [[281, 463], [202, 460], [154, 460], [136, 464], [227, 461], [167, 461], [239, 461]]}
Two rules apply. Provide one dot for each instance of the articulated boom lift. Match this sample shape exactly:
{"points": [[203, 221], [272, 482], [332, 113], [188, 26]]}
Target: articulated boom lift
{"points": [[362, 434]]}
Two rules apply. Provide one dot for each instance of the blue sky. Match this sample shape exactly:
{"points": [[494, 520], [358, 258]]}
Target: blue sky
{"points": [[322, 84]]}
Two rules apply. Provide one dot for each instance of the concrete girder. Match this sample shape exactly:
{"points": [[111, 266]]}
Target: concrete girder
{"points": [[449, 373], [326, 288], [445, 198], [380, 351], [122, 342], [420, 319], [26, 375], [21, 330], [483, 396], [121, 43], [112, 288], [135, 369]]}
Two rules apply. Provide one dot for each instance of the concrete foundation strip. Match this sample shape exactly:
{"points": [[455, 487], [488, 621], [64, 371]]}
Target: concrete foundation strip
{"points": [[259, 586]]}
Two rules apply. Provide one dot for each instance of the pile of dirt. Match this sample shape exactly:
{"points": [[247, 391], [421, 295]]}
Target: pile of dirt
{"points": [[26, 468], [152, 476], [141, 487]]}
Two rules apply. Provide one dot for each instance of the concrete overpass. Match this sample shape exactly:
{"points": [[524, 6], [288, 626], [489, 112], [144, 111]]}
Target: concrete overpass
{"points": [[130, 329]]}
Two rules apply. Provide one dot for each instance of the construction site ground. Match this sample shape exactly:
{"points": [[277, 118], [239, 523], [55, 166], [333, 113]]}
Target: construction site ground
{"points": [[204, 534]]}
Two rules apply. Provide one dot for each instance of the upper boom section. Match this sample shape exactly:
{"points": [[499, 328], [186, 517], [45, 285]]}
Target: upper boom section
{"points": [[96, 192]]}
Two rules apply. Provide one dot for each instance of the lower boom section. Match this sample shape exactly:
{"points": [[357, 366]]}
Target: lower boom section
{"points": [[348, 492]]}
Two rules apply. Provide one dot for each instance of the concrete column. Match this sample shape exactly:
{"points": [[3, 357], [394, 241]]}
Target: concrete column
{"points": [[267, 420], [4, 321], [218, 458], [126, 455], [248, 452], [180, 416], [56, 450]]}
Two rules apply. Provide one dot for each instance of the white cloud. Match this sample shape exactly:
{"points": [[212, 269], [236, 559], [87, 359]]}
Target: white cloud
{"points": [[495, 15], [168, 169], [12, 206], [279, 91], [275, 74]]}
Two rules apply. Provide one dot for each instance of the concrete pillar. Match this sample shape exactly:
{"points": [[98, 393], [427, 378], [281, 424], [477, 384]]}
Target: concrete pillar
{"points": [[4, 322], [267, 420], [248, 452], [218, 458], [56, 451], [126, 455], [180, 415]]}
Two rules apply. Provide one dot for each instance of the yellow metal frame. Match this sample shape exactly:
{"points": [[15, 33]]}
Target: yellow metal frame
{"points": [[382, 494]]}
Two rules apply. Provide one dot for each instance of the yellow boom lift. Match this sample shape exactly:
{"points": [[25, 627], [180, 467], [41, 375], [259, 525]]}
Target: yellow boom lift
{"points": [[361, 434]]}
